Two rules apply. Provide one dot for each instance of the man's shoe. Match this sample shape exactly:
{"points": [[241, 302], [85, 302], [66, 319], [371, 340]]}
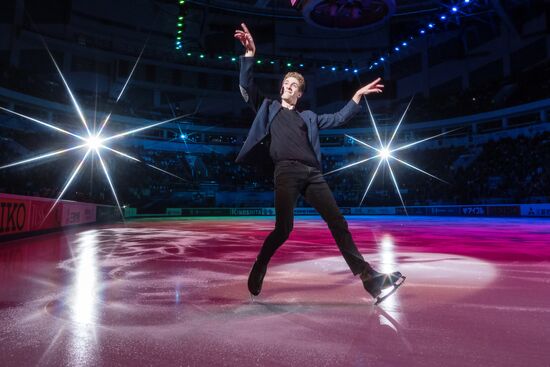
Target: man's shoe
{"points": [[256, 278], [375, 282]]}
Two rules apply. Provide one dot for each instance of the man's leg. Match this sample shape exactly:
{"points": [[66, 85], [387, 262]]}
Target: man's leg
{"points": [[289, 178], [319, 196]]}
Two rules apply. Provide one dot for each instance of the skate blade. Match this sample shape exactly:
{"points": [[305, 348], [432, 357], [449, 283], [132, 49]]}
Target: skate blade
{"points": [[396, 286]]}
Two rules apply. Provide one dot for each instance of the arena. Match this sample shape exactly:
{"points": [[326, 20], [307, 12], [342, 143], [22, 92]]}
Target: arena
{"points": [[160, 157]]}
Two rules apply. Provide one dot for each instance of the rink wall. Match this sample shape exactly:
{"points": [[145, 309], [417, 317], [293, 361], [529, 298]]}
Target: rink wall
{"points": [[21, 215], [519, 210]]}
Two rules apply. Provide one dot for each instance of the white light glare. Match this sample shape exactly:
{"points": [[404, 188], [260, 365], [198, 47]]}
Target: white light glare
{"points": [[92, 143], [385, 155]]}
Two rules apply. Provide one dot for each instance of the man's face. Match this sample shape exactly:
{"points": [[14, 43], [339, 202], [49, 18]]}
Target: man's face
{"points": [[290, 91]]}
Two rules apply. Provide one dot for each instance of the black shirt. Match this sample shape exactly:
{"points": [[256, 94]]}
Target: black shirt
{"points": [[289, 140]]}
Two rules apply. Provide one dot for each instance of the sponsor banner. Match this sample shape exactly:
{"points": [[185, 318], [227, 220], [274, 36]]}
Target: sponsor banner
{"points": [[345, 211], [540, 210], [503, 211], [446, 210], [105, 214], [247, 211], [305, 211], [535, 210], [74, 213], [132, 212], [169, 211], [200, 212], [373, 211], [473, 211], [40, 219], [15, 215], [268, 211], [413, 210], [22, 214]]}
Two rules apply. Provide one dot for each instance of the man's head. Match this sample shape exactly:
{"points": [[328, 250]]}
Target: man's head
{"points": [[293, 87]]}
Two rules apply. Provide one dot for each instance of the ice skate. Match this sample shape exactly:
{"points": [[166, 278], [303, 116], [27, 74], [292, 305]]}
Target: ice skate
{"points": [[375, 283], [255, 279]]}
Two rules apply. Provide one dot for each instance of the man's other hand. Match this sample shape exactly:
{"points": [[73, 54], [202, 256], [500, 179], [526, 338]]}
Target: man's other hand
{"points": [[246, 39]]}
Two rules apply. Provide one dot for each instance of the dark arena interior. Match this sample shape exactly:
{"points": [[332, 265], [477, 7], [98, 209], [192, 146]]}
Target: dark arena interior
{"points": [[171, 196]]}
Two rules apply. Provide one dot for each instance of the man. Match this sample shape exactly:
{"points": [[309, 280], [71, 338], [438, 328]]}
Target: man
{"points": [[295, 149]]}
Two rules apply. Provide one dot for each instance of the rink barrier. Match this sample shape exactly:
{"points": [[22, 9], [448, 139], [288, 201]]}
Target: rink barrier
{"points": [[518, 210], [21, 215]]}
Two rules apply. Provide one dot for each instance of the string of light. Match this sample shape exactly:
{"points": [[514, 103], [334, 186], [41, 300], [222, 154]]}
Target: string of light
{"points": [[453, 13]]}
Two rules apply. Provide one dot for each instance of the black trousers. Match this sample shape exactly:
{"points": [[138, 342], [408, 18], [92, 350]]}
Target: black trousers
{"points": [[293, 179]]}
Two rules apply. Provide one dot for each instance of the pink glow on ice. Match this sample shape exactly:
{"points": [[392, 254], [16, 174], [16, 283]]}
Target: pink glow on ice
{"points": [[174, 293]]}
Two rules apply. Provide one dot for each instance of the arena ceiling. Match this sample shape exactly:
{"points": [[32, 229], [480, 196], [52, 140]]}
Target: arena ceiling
{"points": [[282, 7], [406, 14]]}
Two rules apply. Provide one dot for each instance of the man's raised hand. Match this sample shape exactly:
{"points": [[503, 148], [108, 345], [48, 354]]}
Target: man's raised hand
{"points": [[373, 87], [246, 39]]}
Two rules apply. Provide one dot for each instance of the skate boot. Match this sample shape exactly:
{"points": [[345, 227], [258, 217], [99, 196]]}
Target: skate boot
{"points": [[375, 282], [256, 278]]}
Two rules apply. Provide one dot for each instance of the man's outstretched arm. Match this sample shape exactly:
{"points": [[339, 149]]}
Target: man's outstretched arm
{"points": [[331, 120], [249, 91]]}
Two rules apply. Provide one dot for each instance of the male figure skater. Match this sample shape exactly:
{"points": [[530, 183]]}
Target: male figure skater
{"points": [[295, 149]]}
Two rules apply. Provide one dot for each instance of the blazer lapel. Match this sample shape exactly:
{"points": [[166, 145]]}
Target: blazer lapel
{"points": [[274, 108]]}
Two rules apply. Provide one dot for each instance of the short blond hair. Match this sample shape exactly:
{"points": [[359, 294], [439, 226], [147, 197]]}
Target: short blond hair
{"points": [[298, 77]]}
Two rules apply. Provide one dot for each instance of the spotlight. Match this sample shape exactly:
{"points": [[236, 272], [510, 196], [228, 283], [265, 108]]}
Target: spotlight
{"points": [[396, 49], [404, 44], [94, 142], [454, 9], [382, 59], [298, 4], [333, 68], [443, 17], [422, 31], [355, 71], [333, 9], [344, 14], [431, 25]]}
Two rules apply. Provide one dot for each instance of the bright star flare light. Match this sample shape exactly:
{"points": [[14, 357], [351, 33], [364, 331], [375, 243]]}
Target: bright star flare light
{"points": [[92, 143], [385, 153]]}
